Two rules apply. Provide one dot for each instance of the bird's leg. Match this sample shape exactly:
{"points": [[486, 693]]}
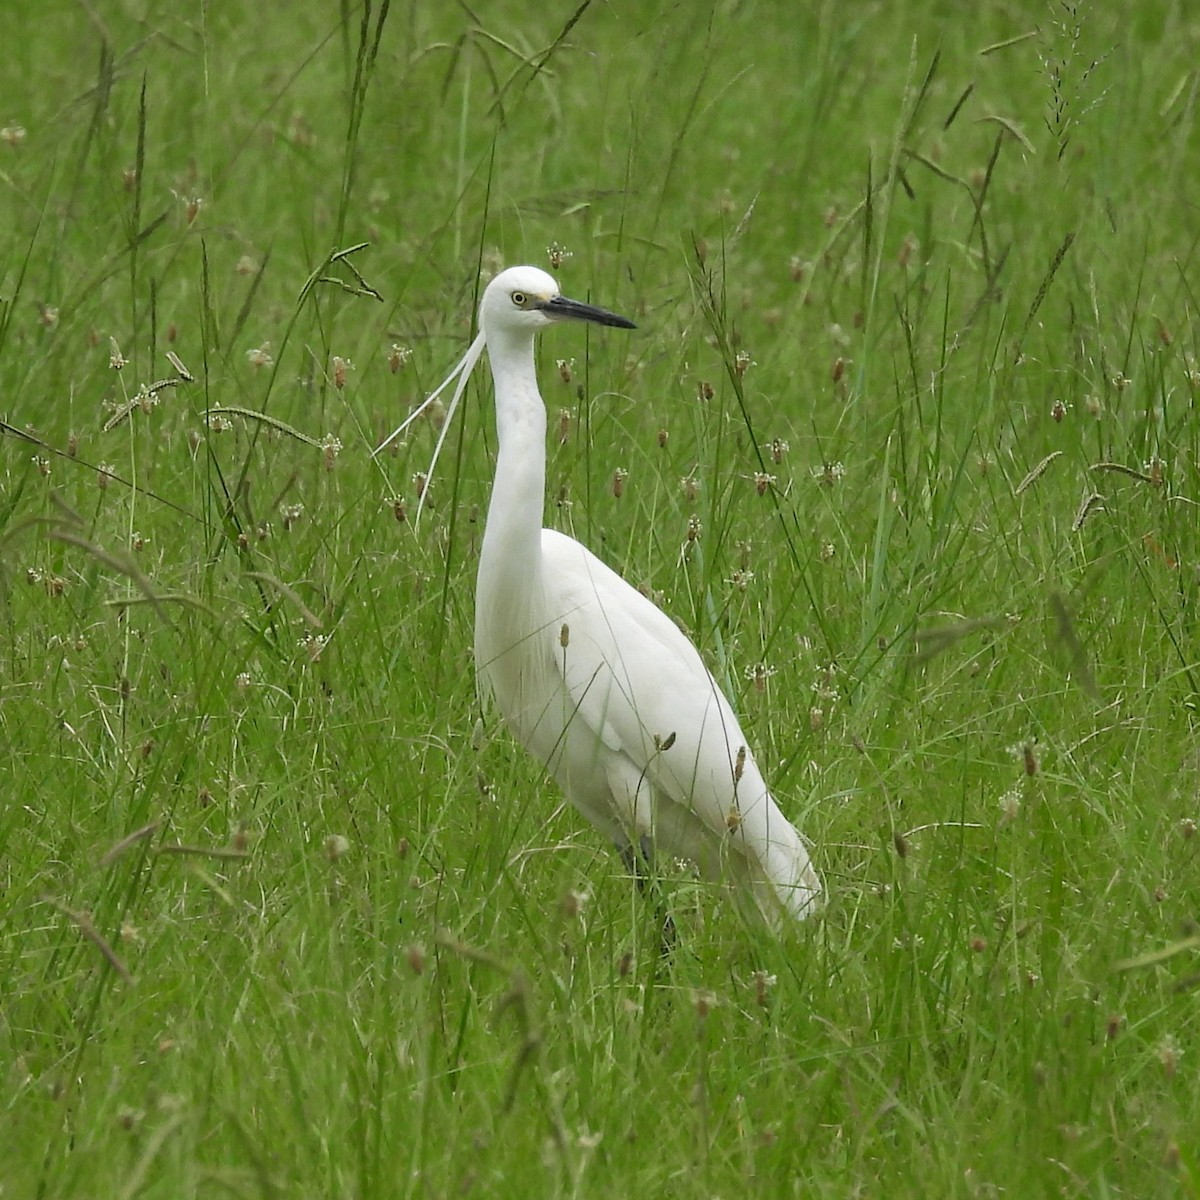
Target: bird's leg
{"points": [[640, 864]]}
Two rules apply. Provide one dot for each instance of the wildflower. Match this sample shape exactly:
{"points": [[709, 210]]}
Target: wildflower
{"points": [[331, 447], [116, 359], [690, 486], [1169, 1054], [777, 448], [763, 481], [824, 685], [762, 984], [314, 644], [1058, 410], [1010, 805], [564, 368], [758, 674], [340, 367], [827, 552], [335, 845], [618, 482], [557, 255], [291, 514], [12, 135], [829, 473], [742, 362], [694, 528], [246, 265], [260, 356], [398, 356], [741, 579]]}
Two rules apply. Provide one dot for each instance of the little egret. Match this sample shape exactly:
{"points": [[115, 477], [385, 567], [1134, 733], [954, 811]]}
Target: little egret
{"points": [[590, 676]]}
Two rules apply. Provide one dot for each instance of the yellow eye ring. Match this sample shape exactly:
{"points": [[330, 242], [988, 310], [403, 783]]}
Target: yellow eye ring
{"points": [[520, 299]]}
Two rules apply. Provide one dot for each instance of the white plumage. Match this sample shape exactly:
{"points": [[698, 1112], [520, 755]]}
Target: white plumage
{"points": [[591, 677]]}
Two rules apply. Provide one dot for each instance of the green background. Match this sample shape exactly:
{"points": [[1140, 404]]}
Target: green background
{"points": [[910, 446]]}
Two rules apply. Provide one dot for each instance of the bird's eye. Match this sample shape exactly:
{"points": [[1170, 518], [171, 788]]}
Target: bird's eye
{"points": [[520, 299]]}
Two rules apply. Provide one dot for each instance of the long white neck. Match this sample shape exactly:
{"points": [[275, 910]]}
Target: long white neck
{"points": [[512, 540]]}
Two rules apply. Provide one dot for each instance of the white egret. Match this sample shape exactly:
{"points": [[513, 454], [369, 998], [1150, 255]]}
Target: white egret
{"points": [[590, 676]]}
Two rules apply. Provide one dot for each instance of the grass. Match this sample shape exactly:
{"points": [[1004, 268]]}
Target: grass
{"points": [[912, 448]]}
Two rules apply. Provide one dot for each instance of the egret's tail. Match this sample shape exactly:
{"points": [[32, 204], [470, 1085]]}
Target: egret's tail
{"points": [[787, 881]]}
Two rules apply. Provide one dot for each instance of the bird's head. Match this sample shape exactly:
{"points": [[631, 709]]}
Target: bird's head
{"points": [[526, 298]]}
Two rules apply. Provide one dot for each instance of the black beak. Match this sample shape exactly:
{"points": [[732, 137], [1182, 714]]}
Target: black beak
{"points": [[563, 309]]}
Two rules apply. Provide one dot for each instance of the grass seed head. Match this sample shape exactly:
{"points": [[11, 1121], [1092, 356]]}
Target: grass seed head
{"points": [[762, 984], [335, 846], [331, 447]]}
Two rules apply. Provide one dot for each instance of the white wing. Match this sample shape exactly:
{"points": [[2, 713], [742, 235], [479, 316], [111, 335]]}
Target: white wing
{"points": [[622, 709]]}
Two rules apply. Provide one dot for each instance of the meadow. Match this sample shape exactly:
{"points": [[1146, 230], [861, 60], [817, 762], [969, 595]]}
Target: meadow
{"points": [[907, 439]]}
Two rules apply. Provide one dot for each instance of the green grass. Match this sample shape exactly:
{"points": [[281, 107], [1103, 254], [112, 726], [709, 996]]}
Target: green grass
{"points": [[284, 913]]}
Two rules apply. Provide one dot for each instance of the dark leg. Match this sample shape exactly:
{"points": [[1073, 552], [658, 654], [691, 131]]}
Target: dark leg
{"points": [[640, 864]]}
